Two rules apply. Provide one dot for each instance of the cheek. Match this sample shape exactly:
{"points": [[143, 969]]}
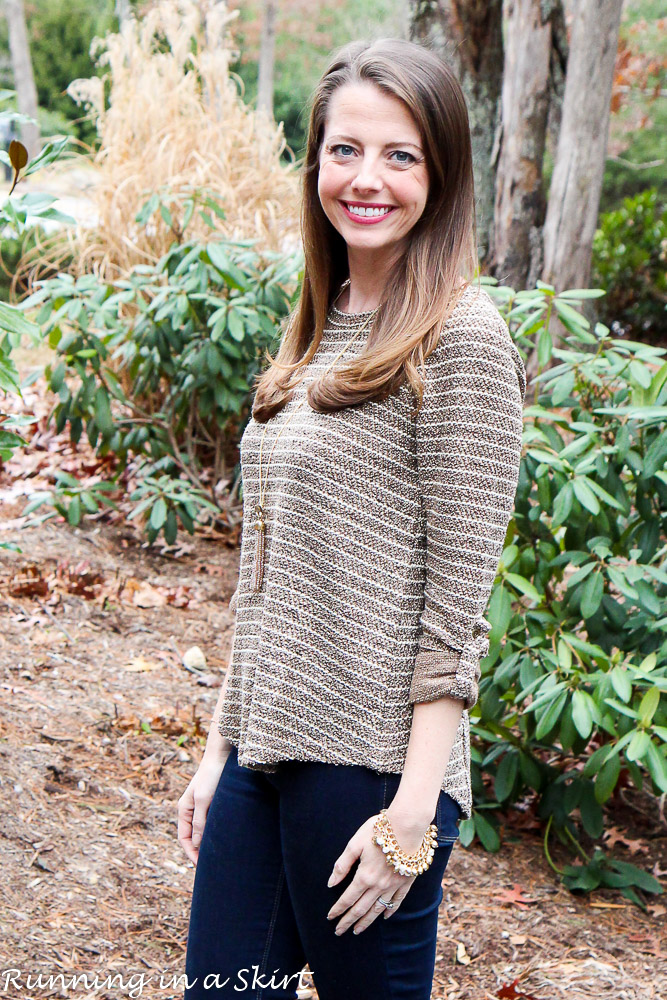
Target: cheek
{"points": [[328, 181], [410, 196], [417, 194]]}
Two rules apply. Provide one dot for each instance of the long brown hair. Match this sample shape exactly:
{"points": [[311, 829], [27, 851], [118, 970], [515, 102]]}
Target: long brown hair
{"points": [[423, 288]]}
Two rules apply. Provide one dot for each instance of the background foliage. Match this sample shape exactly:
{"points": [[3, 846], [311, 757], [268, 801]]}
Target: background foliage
{"points": [[630, 261], [572, 699], [303, 45], [14, 325], [170, 120], [60, 34], [157, 368]]}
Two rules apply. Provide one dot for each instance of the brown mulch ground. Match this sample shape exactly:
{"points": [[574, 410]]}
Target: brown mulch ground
{"points": [[101, 727]]}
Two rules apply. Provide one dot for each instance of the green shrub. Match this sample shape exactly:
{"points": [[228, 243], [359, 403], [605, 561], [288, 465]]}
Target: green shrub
{"points": [[572, 690], [630, 262], [18, 251], [60, 36], [14, 326], [157, 369]]}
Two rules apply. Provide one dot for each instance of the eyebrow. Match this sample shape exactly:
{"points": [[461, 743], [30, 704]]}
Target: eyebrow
{"points": [[350, 138]]}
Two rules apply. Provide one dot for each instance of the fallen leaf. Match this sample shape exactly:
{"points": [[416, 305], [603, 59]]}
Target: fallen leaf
{"points": [[47, 636], [509, 992], [211, 569], [145, 596], [138, 664], [514, 895], [29, 583], [615, 836], [462, 956]]}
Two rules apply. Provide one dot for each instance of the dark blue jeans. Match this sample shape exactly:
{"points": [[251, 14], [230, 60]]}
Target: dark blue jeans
{"points": [[260, 895]]}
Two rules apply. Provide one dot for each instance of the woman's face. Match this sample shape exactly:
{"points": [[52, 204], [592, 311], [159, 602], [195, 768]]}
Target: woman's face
{"points": [[373, 181]]}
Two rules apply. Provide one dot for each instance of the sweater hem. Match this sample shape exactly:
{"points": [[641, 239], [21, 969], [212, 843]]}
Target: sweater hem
{"points": [[270, 759]]}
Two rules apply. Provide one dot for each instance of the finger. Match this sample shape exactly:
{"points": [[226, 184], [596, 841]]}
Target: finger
{"points": [[396, 899], [355, 890], [364, 881], [185, 811], [191, 852], [375, 911], [378, 908], [184, 821], [343, 864], [185, 840], [199, 821], [360, 910]]}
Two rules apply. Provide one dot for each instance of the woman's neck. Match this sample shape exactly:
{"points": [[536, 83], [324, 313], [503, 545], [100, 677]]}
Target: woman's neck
{"points": [[368, 276]]}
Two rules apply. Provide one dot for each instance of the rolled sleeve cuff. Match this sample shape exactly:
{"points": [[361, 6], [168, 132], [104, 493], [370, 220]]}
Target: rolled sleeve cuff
{"points": [[449, 673]]}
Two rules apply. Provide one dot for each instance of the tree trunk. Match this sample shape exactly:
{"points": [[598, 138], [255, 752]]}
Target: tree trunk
{"points": [[520, 203], [24, 81], [267, 47], [514, 100], [467, 34], [574, 198]]}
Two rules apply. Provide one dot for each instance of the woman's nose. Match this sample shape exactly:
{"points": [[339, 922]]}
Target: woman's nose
{"points": [[368, 176]]}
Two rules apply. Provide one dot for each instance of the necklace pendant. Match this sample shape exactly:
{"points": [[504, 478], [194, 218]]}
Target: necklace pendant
{"points": [[258, 563]]}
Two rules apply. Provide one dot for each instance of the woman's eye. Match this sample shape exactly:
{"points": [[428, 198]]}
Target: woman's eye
{"points": [[402, 156], [342, 149]]}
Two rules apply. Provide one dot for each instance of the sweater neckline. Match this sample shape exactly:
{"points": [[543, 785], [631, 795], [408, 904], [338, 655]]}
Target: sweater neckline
{"points": [[341, 323], [353, 317], [348, 319]]}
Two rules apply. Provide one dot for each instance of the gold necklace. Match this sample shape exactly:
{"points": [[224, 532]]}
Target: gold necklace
{"points": [[260, 508]]}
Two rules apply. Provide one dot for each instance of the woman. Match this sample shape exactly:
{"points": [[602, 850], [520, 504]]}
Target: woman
{"points": [[379, 470]]}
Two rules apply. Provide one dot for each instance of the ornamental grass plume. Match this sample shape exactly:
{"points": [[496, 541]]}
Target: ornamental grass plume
{"points": [[171, 119]]}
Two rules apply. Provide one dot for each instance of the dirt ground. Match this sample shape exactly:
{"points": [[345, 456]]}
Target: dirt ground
{"points": [[101, 727]]}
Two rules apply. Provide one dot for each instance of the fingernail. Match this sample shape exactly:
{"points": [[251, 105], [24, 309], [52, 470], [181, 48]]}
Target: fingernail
{"points": [[331, 881]]}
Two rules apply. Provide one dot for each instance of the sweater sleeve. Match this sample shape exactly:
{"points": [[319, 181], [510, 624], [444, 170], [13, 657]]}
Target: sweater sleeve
{"points": [[468, 440]]}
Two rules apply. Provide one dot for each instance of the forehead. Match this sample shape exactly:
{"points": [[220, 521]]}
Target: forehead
{"points": [[366, 111]]}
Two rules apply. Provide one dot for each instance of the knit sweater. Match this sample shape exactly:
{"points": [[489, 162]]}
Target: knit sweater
{"points": [[384, 530]]}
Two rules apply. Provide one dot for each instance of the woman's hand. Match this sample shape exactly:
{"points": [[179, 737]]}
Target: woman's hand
{"points": [[374, 877], [195, 800]]}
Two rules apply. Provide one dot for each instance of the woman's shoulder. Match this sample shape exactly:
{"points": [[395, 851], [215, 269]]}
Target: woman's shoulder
{"points": [[476, 314], [476, 332]]}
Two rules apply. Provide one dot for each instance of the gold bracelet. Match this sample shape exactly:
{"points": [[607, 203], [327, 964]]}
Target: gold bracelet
{"points": [[404, 864]]}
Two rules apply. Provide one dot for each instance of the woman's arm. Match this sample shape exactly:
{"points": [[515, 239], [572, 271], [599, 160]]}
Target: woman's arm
{"points": [[434, 725], [217, 745], [468, 447], [194, 803]]}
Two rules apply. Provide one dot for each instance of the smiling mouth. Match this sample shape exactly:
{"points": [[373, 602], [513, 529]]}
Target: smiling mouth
{"points": [[367, 213]]}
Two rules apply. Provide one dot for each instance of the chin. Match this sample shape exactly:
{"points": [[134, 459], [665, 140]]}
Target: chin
{"points": [[368, 242]]}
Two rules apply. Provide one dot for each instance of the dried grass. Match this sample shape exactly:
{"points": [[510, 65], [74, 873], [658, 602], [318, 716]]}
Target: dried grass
{"points": [[174, 119]]}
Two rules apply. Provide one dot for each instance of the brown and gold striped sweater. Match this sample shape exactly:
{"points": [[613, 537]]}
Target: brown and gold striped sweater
{"points": [[383, 535]]}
